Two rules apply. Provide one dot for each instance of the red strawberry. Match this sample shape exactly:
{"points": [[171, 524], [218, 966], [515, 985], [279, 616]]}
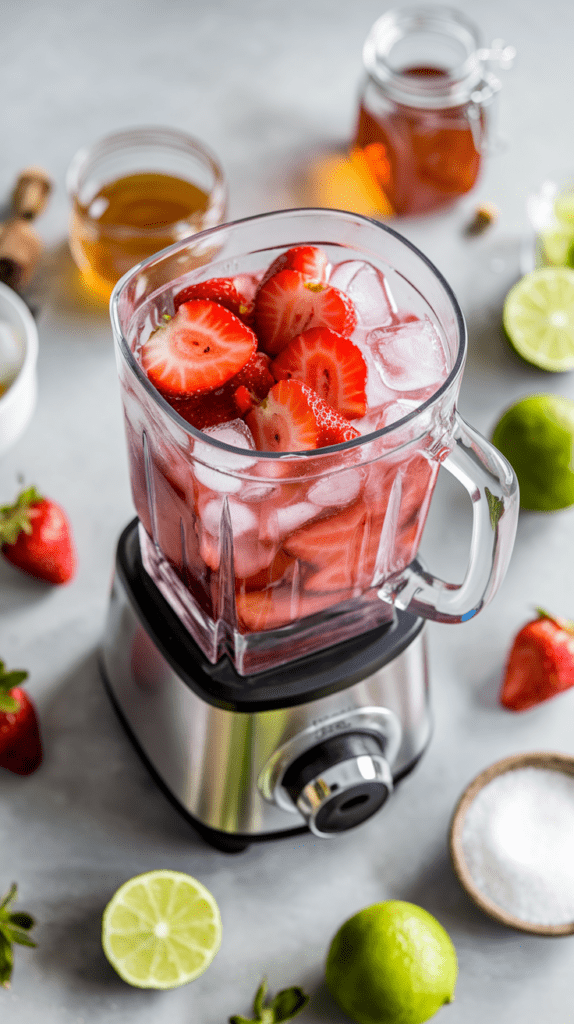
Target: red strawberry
{"points": [[36, 537], [330, 364], [223, 290], [284, 421], [307, 259], [333, 428], [289, 303], [20, 743], [294, 418], [234, 399], [199, 349], [540, 664]]}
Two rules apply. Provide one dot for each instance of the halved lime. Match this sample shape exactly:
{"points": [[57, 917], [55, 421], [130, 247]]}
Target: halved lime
{"points": [[538, 317], [161, 929]]}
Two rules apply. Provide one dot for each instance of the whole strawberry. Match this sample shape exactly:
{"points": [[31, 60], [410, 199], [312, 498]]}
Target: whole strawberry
{"points": [[20, 742], [36, 537], [540, 664]]}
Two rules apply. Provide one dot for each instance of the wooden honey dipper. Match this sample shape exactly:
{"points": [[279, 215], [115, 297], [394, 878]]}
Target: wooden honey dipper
{"points": [[20, 246]]}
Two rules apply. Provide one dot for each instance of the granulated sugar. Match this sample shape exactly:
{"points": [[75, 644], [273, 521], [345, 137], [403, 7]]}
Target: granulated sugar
{"points": [[518, 843]]}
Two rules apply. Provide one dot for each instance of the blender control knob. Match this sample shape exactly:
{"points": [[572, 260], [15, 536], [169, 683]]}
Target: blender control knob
{"points": [[339, 783]]}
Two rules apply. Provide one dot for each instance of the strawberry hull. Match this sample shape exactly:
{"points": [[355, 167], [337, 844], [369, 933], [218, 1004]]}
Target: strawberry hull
{"points": [[267, 557]]}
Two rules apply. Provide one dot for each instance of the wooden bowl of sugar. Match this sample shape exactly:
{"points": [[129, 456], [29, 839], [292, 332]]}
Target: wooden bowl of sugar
{"points": [[512, 842]]}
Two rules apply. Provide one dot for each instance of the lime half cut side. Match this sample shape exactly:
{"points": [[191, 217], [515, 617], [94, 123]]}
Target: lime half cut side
{"points": [[161, 930], [538, 318]]}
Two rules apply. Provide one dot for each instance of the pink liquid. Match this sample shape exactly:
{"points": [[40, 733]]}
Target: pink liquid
{"points": [[259, 550]]}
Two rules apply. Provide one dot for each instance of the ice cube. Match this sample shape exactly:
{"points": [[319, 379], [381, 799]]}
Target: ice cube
{"points": [[217, 468], [336, 490], [402, 407], [251, 554], [368, 289], [409, 357], [285, 519]]}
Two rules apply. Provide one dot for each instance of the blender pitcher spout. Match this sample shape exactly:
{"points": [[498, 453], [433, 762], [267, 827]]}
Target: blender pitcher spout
{"points": [[493, 489]]}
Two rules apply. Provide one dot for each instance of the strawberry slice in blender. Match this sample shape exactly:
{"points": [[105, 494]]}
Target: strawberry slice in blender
{"points": [[289, 303], [233, 399], [307, 259], [330, 364], [202, 347], [294, 418], [284, 421], [224, 290]]}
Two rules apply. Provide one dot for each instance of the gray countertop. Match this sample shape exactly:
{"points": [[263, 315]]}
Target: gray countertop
{"points": [[267, 85]]}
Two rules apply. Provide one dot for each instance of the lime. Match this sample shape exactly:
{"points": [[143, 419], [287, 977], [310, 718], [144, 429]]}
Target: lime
{"points": [[538, 318], [392, 963], [557, 247], [537, 437], [564, 206], [161, 929]]}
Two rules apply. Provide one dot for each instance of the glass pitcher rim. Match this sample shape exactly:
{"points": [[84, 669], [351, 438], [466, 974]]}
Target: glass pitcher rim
{"points": [[318, 453]]}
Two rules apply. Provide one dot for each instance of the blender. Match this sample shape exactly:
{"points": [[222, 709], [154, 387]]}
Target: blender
{"points": [[265, 644]]}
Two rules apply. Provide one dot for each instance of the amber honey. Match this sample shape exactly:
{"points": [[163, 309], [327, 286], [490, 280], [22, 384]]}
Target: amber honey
{"points": [[420, 159], [129, 219]]}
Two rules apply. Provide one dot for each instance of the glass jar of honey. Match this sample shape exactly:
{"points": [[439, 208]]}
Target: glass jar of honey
{"points": [[136, 192], [425, 114]]}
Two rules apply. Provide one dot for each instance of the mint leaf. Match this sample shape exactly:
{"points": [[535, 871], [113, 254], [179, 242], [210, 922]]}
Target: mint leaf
{"points": [[288, 1003], [285, 1005], [259, 1001]]}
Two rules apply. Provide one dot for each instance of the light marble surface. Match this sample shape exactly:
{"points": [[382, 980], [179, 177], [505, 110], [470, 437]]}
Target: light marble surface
{"points": [[267, 85]]}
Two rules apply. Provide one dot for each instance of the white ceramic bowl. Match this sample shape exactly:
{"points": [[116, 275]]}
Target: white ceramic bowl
{"points": [[19, 347]]}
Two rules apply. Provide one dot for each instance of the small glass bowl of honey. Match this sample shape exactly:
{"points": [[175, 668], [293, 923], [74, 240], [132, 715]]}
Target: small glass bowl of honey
{"points": [[136, 192]]}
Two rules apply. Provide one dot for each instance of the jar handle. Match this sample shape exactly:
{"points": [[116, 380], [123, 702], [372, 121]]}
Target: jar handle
{"points": [[499, 56], [493, 489]]}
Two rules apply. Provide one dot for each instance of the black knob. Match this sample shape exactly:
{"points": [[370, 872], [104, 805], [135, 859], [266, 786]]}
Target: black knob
{"points": [[339, 783]]}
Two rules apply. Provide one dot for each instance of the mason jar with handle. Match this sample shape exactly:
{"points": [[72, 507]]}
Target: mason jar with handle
{"points": [[426, 112]]}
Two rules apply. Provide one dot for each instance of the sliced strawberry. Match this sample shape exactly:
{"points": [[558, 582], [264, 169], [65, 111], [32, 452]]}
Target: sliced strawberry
{"points": [[289, 303], [313, 263], [294, 418], [330, 364], [258, 610], [199, 349], [234, 399], [284, 421], [225, 291], [333, 428]]}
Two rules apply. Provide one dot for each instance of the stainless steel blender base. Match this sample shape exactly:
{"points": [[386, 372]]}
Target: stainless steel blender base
{"points": [[258, 757]]}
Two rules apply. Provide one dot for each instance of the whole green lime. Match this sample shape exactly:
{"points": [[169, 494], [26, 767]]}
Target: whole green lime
{"points": [[392, 963], [537, 437]]}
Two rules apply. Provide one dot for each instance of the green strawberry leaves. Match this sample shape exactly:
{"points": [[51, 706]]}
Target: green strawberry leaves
{"points": [[16, 518], [8, 680], [14, 928], [285, 1005]]}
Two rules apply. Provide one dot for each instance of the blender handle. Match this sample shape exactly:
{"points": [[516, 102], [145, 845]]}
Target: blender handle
{"points": [[493, 489]]}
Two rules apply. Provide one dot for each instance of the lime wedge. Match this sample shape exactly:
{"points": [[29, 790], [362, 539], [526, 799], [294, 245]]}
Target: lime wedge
{"points": [[161, 930], [538, 318]]}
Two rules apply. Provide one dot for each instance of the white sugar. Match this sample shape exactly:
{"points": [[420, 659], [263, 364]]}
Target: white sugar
{"points": [[518, 843]]}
